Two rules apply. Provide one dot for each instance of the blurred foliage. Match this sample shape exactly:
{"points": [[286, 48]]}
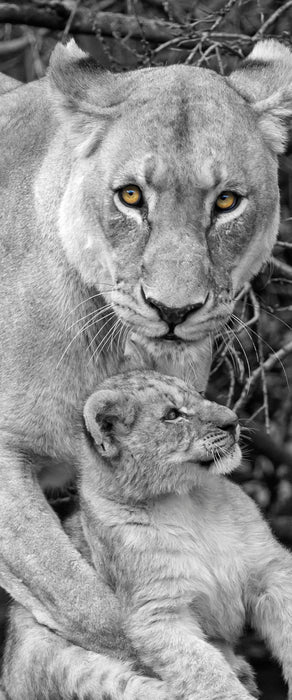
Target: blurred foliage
{"points": [[252, 368]]}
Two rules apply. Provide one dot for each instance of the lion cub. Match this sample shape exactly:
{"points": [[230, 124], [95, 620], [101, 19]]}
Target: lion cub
{"points": [[185, 550]]}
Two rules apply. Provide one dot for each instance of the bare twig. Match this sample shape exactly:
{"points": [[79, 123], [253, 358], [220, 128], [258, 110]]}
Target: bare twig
{"points": [[219, 59], [256, 374], [271, 20], [70, 20], [105, 4], [210, 32], [256, 308], [282, 268], [264, 381], [13, 45], [231, 381], [283, 244]]}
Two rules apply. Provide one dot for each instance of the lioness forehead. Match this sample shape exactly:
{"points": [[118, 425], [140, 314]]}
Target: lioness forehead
{"points": [[194, 126], [188, 101]]}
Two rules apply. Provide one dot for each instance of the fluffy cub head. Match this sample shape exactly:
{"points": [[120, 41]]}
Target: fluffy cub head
{"points": [[171, 201], [151, 434]]}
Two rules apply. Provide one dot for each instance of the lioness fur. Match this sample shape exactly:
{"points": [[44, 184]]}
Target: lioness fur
{"points": [[186, 551], [79, 269]]}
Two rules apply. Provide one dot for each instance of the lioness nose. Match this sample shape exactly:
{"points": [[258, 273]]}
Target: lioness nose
{"points": [[172, 315]]}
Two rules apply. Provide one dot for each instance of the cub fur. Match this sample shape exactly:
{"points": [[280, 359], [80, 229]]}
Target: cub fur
{"points": [[186, 551], [85, 279]]}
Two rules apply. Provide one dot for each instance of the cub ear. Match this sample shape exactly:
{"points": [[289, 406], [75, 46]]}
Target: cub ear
{"points": [[264, 80], [108, 415], [82, 93]]}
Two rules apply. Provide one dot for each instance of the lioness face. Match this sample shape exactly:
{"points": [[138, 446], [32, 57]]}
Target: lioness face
{"points": [[172, 200], [156, 435]]}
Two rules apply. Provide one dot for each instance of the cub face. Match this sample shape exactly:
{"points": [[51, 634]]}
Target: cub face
{"points": [[172, 200], [155, 435]]}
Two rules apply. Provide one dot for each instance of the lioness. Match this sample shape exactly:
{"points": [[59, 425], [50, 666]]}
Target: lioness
{"points": [[133, 207], [185, 550]]}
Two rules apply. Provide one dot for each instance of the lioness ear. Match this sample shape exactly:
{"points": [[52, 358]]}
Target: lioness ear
{"points": [[107, 416], [265, 80], [82, 93]]}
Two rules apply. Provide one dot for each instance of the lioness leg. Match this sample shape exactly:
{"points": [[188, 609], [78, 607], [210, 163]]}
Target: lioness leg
{"points": [[240, 666], [39, 665], [42, 570]]}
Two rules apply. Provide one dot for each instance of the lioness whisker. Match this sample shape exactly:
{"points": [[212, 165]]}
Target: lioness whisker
{"points": [[275, 316], [106, 317], [115, 333], [96, 312], [273, 352], [118, 338], [81, 330], [242, 348], [125, 336], [104, 341], [119, 343], [121, 339], [257, 335], [96, 335], [94, 296], [248, 331], [230, 331]]}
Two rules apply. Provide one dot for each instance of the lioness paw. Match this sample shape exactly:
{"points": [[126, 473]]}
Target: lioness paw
{"points": [[141, 688], [122, 686], [246, 676]]}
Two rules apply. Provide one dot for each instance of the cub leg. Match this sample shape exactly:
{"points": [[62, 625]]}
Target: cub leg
{"points": [[41, 569], [177, 651], [39, 665]]}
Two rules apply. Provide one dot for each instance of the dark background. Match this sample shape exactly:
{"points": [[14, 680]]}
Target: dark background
{"points": [[126, 34]]}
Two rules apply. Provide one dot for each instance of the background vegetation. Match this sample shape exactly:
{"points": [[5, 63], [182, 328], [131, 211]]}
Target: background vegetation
{"points": [[252, 368]]}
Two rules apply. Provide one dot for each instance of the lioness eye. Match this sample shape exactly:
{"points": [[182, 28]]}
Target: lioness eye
{"points": [[226, 201], [131, 195], [172, 414]]}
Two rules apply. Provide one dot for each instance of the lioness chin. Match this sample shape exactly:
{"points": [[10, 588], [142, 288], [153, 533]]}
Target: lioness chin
{"points": [[133, 207]]}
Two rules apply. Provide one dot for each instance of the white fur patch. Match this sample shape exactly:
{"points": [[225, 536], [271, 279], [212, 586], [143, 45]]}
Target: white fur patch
{"points": [[270, 50], [74, 50]]}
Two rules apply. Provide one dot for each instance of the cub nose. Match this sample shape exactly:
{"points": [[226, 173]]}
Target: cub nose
{"points": [[229, 423], [173, 315]]}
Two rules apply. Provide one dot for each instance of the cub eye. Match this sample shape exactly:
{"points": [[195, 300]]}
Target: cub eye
{"points": [[172, 414], [226, 201], [131, 195]]}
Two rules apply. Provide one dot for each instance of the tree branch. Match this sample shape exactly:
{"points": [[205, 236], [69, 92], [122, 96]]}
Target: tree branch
{"points": [[281, 268], [55, 16]]}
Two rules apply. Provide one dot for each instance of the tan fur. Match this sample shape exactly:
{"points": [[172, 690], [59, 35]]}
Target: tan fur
{"points": [[67, 142], [186, 551]]}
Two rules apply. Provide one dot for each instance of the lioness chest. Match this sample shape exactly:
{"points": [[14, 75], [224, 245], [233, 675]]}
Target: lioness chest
{"points": [[190, 553]]}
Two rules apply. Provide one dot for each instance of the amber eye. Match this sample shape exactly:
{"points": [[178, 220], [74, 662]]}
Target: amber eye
{"points": [[131, 195], [226, 201]]}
